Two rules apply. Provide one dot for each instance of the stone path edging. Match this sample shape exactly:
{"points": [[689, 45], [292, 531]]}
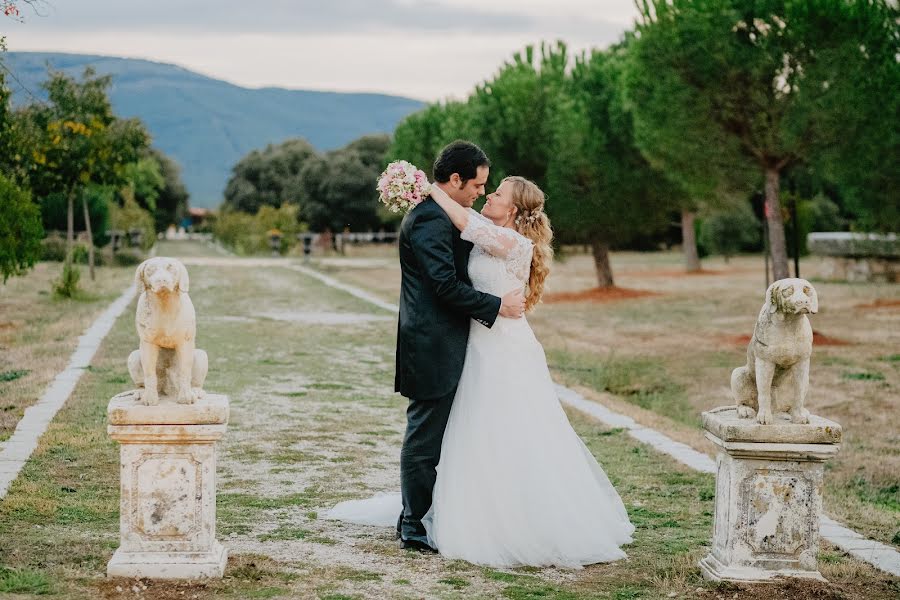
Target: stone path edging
{"points": [[353, 291], [875, 553], [18, 448], [663, 443]]}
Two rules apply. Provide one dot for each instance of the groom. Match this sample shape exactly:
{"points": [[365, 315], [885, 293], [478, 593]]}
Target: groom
{"points": [[437, 301]]}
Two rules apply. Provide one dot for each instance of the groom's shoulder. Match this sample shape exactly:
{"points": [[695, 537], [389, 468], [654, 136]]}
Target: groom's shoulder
{"points": [[426, 210], [426, 206]]}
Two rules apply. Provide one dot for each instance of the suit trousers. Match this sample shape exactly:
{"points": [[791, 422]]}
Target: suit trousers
{"points": [[426, 421]]}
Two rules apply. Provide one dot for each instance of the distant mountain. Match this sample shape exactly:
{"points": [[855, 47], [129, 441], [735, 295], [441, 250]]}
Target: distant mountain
{"points": [[207, 124]]}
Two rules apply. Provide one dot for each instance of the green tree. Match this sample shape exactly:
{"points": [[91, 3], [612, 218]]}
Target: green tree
{"points": [[663, 135], [98, 197], [340, 187], [755, 81], [144, 178], [371, 149], [269, 177], [12, 136], [862, 109], [511, 113], [601, 188], [421, 136], [20, 229], [7, 141], [172, 202], [75, 141]]}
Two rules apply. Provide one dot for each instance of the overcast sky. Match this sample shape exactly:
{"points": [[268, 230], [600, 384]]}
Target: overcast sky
{"points": [[426, 49]]}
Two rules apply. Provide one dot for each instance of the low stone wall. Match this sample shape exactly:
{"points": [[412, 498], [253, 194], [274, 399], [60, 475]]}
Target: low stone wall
{"points": [[857, 256]]}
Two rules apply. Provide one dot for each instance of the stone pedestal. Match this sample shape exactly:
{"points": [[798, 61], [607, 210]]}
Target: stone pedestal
{"points": [[768, 496], [168, 487]]}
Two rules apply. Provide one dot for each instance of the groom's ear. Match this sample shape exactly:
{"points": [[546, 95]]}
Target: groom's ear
{"points": [[455, 180]]}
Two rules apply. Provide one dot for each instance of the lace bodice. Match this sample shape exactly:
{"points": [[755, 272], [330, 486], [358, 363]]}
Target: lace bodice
{"points": [[501, 259]]}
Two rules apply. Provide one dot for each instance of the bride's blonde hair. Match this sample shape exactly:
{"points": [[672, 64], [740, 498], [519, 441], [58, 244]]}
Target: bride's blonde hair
{"points": [[532, 222]]}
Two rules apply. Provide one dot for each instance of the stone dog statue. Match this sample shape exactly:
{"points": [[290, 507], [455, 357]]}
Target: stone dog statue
{"points": [[776, 376], [167, 363]]}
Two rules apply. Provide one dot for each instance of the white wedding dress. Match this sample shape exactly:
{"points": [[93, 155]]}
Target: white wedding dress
{"points": [[515, 485]]}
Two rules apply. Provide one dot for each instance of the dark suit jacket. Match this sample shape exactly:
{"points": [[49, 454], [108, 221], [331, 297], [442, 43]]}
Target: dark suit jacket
{"points": [[436, 302]]}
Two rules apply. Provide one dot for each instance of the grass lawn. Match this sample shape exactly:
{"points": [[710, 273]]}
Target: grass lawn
{"points": [[665, 358], [314, 421], [39, 332]]}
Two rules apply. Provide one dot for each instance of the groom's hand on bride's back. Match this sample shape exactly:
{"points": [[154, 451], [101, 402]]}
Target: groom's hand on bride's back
{"points": [[512, 305]]}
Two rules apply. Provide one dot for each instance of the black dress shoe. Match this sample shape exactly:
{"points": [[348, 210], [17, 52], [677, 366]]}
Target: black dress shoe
{"points": [[417, 545]]}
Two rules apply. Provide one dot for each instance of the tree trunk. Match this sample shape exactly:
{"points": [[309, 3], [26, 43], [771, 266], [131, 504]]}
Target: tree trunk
{"points": [[70, 223], [689, 241], [87, 226], [600, 250], [775, 220]]}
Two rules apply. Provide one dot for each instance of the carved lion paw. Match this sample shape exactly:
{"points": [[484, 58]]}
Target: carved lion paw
{"points": [[745, 412], [800, 416], [765, 416]]}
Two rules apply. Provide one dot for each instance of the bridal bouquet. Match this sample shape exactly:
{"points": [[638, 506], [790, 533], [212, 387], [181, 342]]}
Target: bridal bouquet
{"points": [[402, 186]]}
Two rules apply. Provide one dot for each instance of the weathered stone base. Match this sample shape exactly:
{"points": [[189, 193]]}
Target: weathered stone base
{"points": [[169, 565], [714, 570], [167, 511], [768, 496]]}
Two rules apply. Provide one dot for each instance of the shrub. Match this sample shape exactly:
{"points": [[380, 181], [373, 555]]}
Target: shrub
{"points": [[20, 229], [53, 248], [816, 214], [67, 284], [730, 231], [127, 258], [236, 230], [131, 216], [249, 234], [284, 219]]}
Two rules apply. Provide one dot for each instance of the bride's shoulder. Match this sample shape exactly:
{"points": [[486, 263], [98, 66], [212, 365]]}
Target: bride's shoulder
{"points": [[503, 230]]}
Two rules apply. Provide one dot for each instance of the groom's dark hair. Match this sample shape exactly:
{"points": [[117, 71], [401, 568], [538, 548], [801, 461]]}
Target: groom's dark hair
{"points": [[459, 157]]}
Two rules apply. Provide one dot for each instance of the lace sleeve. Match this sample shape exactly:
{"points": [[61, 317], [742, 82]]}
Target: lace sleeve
{"points": [[502, 242]]}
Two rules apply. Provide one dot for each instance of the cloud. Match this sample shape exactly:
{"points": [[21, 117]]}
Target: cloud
{"points": [[415, 66], [428, 49], [311, 16]]}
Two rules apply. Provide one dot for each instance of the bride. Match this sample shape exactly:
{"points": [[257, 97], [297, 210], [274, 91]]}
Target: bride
{"points": [[515, 485]]}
